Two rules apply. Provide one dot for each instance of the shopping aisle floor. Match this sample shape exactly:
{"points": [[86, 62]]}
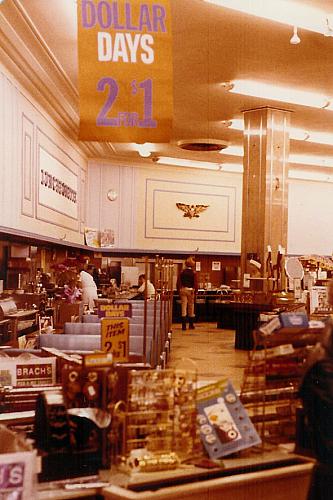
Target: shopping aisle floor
{"points": [[212, 350]]}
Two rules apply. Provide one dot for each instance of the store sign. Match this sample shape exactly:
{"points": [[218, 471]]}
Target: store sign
{"points": [[30, 372], [122, 310], [57, 186], [115, 338], [125, 70]]}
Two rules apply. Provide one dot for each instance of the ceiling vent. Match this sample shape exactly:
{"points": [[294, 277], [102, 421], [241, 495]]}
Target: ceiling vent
{"points": [[202, 144]]}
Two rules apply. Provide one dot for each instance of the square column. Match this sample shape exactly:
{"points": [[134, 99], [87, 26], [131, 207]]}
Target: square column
{"points": [[265, 190]]}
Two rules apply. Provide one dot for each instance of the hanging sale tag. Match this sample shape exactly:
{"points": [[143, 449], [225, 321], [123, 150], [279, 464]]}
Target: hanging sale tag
{"points": [[125, 70]]}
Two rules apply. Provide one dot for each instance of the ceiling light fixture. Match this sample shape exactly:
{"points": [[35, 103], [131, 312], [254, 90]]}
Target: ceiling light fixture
{"points": [[293, 158], [295, 39], [317, 161], [206, 165], [328, 28], [183, 162], [202, 145], [287, 12], [233, 151], [144, 150], [305, 175], [295, 134], [276, 93]]}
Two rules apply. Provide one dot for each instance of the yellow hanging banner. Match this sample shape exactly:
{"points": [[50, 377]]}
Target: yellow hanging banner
{"points": [[125, 70]]}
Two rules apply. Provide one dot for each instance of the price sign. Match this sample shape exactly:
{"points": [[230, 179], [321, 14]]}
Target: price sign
{"points": [[120, 310], [115, 338], [125, 70]]}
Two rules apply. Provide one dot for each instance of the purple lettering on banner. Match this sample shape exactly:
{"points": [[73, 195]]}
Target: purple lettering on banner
{"points": [[116, 24], [128, 16], [147, 86], [102, 118], [144, 19], [104, 15], [159, 16], [88, 14]]}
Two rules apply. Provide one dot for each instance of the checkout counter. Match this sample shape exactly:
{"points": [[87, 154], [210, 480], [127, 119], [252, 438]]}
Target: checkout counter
{"points": [[19, 321]]}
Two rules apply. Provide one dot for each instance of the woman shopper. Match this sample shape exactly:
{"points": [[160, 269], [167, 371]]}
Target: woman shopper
{"points": [[187, 287]]}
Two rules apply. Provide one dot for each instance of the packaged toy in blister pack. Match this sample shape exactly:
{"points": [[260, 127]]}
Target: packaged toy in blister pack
{"points": [[224, 424]]}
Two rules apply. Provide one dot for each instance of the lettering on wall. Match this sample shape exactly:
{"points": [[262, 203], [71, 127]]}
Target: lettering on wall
{"points": [[57, 186]]}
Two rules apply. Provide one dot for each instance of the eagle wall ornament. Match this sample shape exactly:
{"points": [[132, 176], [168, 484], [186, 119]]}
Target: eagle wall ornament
{"points": [[191, 211]]}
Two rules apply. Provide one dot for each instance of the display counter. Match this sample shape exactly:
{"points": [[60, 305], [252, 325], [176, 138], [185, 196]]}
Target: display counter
{"points": [[263, 475], [205, 310], [243, 317]]}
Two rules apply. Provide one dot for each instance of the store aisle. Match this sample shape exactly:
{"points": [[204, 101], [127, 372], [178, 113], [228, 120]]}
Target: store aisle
{"points": [[212, 349]]}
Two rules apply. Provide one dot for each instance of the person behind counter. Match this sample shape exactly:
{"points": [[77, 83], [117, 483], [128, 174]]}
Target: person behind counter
{"points": [[89, 289], [316, 392], [143, 282], [187, 287]]}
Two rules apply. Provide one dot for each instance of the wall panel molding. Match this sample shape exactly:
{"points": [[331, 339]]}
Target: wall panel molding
{"points": [[28, 164], [163, 220]]}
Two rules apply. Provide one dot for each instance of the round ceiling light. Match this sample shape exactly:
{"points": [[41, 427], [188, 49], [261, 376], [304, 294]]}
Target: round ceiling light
{"points": [[202, 144]]}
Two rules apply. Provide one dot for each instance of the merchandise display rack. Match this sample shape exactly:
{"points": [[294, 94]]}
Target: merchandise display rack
{"points": [[271, 381], [161, 412]]}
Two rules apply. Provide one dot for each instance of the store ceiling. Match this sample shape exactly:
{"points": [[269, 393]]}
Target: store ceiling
{"points": [[211, 45]]}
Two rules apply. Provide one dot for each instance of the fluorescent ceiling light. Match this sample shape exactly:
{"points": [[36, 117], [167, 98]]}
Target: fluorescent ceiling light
{"points": [[293, 158], [144, 150], [318, 137], [276, 93], [206, 165], [233, 151], [311, 160], [310, 176], [232, 167], [181, 162], [288, 12], [296, 134]]}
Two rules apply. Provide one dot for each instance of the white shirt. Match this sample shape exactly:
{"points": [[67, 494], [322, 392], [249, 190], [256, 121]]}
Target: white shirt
{"points": [[150, 289], [87, 280], [89, 289]]}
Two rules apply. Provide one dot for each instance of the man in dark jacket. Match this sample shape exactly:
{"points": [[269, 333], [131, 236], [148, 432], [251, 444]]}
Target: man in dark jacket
{"points": [[187, 286], [316, 392]]}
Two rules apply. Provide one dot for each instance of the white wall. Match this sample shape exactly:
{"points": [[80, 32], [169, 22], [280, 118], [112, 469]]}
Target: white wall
{"points": [[310, 217], [145, 215], [30, 141]]}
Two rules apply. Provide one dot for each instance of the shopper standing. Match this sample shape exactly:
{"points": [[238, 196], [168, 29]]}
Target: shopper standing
{"points": [[316, 392], [187, 287], [89, 289]]}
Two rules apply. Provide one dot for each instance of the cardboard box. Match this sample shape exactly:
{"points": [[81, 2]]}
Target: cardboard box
{"points": [[27, 370]]}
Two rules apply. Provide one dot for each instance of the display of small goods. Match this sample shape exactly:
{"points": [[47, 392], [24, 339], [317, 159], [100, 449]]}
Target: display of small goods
{"points": [[89, 386], [319, 300], [52, 426], [161, 412], [92, 237], [316, 262], [27, 370], [151, 462], [90, 395], [107, 238], [275, 368], [224, 424], [18, 466]]}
